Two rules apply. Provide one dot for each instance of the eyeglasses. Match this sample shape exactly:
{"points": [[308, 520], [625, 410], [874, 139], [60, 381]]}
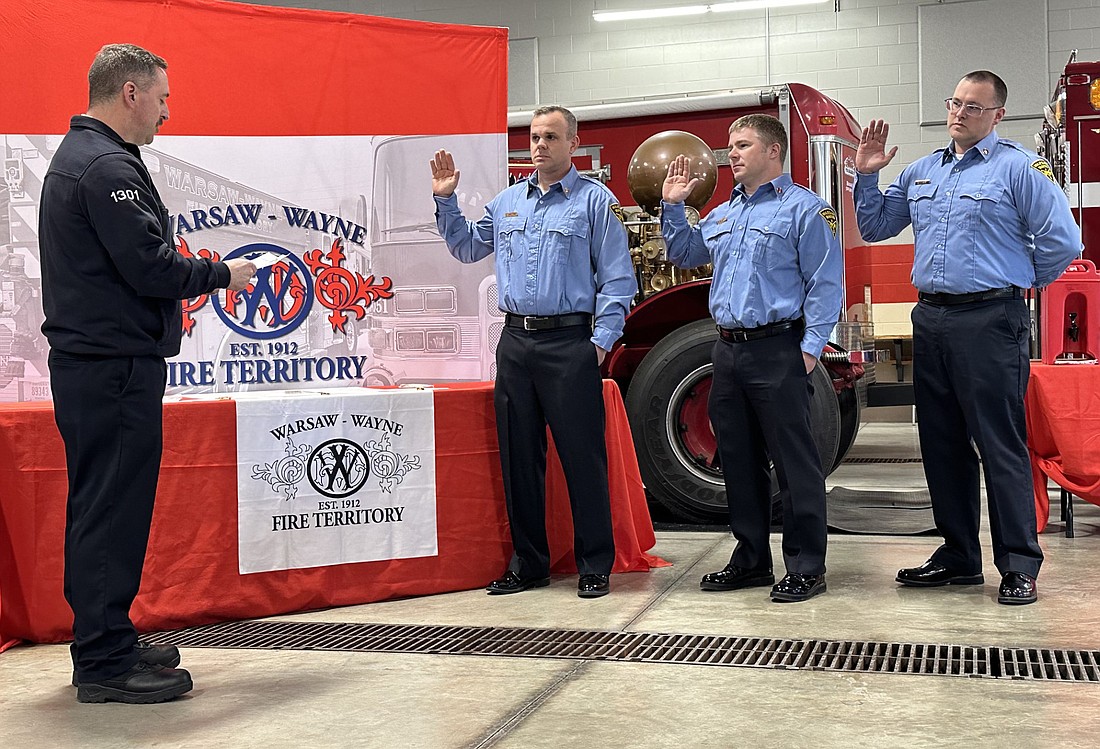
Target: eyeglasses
{"points": [[972, 110]]}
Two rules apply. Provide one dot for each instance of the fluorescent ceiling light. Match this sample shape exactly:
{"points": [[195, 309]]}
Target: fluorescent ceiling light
{"points": [[630, 15], [757, 4], [602, 16]]}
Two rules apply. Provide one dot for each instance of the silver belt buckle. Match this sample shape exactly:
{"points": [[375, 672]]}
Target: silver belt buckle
{"points": [[527, 323]]}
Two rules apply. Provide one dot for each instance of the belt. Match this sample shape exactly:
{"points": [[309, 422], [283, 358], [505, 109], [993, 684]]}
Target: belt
{"points": [[764, 331], [1008, 292], [547, 322]]}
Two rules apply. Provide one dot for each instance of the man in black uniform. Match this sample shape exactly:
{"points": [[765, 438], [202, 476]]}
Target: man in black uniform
{"points": [[111, 285]]}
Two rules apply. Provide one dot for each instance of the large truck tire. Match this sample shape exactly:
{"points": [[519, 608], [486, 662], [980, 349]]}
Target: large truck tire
{"points": [[667, 407], [848, 400]]}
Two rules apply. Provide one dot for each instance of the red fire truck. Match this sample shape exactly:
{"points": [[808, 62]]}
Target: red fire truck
{"points": [[662, 362], [1070, 141]]}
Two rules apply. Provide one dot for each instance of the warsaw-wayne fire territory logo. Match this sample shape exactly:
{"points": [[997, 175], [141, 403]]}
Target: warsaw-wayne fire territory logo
{"points": [[336, 468]]}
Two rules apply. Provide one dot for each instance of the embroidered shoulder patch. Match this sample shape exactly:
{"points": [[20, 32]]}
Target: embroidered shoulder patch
{"points": [[1041, 166], [830, 218], [618, 211]]}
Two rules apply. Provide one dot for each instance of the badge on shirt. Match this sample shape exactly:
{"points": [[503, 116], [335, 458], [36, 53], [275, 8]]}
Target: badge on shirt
{"points": [[618, 211], [1041, 166], [830, 218], [922, 182], [511, 214]]}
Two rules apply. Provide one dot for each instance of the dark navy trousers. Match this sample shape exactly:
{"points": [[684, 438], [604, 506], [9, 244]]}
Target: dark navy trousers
{"points": [[970, 372], [552, 377], [108, 410], [760, 409]]}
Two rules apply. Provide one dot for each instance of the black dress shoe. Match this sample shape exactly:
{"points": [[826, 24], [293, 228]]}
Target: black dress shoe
{"points": [[794, 588], [593, 586], [144, 684], [732, 577], [933, 574], [1017, 589], [157, 655], [513, 583]]}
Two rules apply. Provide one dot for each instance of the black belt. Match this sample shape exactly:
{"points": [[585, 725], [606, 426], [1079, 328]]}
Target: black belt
{"points": [[548, 322], [1008, 292], [764, 331]]}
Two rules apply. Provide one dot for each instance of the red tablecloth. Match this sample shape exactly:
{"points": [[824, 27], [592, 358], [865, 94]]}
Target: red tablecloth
{"points": [[1063, 431], [191, 575]]}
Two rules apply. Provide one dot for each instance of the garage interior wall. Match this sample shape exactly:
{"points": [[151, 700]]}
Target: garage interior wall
{"points": [[866, 55]]}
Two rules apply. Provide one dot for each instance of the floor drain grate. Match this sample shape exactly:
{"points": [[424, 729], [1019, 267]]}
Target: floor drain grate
{"points": [[644, 647], [866, 461]]}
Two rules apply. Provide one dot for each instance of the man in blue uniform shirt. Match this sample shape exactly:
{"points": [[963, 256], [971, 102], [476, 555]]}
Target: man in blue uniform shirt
{"points": [[565, 280], [776, 295], [988, 221]]}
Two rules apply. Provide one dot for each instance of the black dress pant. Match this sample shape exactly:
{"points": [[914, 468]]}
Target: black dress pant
{"points": [[552, 377], [760, 408], [970, 375], [108, 410]]}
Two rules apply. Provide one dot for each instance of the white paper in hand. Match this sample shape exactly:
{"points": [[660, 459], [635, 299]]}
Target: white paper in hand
{"points": [[264, 259]]}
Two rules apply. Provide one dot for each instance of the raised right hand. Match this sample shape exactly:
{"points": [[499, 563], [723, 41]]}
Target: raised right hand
{"points": [[444, 175], [678, 183], [871, 155]]}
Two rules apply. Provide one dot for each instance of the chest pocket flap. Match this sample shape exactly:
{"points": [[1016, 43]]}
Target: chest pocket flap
{"points": [[570, 230], [511, 223], [563, 237], [920, 205], [921, 192], [769, 243], [991, 191], [776, 226], [713, 230]]}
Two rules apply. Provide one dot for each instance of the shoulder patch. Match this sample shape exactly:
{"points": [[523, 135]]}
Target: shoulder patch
{"points": [[1041, 166], [830, 218], [618, 211]]}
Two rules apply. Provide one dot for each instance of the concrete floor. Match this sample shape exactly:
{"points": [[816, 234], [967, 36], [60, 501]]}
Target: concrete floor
{"points": [[271, 698]]}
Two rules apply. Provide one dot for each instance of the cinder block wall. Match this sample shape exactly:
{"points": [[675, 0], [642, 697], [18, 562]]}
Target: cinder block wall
{"points": [[865, 55]]}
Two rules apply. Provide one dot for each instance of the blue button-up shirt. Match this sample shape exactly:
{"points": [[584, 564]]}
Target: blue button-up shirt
{"points": [[993, 218], [776, 257], [556, 253]]}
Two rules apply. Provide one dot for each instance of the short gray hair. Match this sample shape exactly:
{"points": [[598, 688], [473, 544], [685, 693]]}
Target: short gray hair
{"points": [[570, 118], [115, 64]]}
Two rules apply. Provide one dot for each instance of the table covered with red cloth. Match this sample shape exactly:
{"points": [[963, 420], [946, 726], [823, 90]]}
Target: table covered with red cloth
{"points": [[191, 575], [1063, 431]]}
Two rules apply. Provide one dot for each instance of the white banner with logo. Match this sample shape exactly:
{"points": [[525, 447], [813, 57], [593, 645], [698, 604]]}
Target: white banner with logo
{"points": [[334, 478]]}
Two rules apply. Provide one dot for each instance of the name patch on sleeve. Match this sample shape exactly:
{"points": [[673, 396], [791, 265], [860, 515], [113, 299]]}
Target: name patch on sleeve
{"points": [[1041, 166], [830, 218]]}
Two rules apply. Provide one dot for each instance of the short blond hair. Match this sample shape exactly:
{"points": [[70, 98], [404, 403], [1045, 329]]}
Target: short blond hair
{"points": [[767, 127]]}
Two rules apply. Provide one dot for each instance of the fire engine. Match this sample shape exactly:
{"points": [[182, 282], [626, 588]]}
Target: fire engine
{"points": [[1070, 141], [662, 363], [1068, 325]]}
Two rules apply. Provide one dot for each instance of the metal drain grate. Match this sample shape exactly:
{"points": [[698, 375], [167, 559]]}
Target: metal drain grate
{"points": [[643, 647], [865, 461]]}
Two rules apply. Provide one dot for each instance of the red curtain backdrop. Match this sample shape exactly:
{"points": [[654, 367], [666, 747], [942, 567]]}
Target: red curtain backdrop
{"points": [[239, 69]]}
